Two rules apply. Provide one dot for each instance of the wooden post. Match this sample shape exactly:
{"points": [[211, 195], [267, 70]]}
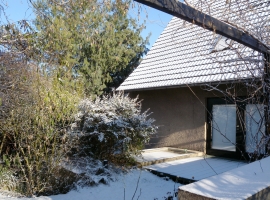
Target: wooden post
{"points": [[266, 93]]}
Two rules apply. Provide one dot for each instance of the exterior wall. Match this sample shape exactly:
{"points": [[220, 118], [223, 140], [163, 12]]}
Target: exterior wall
{"points": [[263, 194], [180, 115]]}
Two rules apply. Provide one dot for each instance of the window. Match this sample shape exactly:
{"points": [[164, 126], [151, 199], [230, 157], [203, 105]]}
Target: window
{"points": [[223, 127], [221, 43], [235, 129], [255, 128]]}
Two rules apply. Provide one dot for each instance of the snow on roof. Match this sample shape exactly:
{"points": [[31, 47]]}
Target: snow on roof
{"points": [[188, 54], [239, 183]]}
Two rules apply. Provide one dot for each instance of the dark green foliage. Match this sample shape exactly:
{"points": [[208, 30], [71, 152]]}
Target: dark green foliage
{"points": [[96, 40], [119, 76]]}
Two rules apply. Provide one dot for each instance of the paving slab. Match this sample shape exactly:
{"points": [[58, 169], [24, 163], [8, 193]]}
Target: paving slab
{"points": [[250, 181], [196, 168], [184, 166]]}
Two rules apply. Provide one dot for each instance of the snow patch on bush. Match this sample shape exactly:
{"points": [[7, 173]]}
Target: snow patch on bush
{"points": [[112, 125]]}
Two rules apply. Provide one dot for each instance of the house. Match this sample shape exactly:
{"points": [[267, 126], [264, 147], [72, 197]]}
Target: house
{"points": [[204, 89]]}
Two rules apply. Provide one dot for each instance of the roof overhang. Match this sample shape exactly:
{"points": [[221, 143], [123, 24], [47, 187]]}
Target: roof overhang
{"points": [[194, 85]]}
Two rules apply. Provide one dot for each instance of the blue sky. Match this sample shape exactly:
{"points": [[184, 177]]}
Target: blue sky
{"points": [[155, 22], [17, 10]]}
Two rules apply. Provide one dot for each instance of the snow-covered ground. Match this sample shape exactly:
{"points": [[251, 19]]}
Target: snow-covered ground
{"points": [[138, 184], [239, 183], [150, 187]]}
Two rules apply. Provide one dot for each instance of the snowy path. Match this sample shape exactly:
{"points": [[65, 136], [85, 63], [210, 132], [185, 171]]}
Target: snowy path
{"points": [[196, 168], [150, 187]]}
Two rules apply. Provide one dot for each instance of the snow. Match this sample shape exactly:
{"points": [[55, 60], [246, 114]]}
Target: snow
{"points": [[239, 183], [196, 168], [164, 154], [150, 187], [151, 156]]}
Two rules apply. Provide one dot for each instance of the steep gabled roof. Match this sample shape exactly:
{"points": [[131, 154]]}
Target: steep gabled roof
{"points": [[187, 54]]}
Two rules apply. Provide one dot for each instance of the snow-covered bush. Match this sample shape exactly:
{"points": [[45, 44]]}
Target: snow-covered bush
{"points": [[112, 126], [91, 171]]}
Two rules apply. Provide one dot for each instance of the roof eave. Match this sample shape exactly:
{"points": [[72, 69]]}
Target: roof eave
{"points": [[191, 85]]}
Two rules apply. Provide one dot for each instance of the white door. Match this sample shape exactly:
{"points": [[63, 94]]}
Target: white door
{"points": [[255, 128], [224, 127]]}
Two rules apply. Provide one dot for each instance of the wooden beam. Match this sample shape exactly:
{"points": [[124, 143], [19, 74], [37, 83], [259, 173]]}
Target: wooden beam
{"points": [[187, 13], [266, 91]]}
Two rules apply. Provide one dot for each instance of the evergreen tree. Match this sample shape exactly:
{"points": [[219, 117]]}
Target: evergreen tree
{"points": [[95, 40]]}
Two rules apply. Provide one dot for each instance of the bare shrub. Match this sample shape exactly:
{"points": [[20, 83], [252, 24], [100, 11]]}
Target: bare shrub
{"points": [[34, 117]]}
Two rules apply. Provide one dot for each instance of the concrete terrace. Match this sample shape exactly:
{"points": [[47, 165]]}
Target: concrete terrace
{"points": [[249, 182], [209, 177], [185, 166]]}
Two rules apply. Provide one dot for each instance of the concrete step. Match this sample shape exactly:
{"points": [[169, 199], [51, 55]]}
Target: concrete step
{"points": [[164, 154]]}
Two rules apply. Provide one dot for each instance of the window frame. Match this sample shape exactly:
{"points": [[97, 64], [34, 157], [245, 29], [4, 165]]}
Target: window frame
{"points": [[240, 128]]}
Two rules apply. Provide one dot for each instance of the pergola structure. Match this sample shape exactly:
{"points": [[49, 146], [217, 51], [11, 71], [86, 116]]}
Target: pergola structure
{"points": [[187, 13]]}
